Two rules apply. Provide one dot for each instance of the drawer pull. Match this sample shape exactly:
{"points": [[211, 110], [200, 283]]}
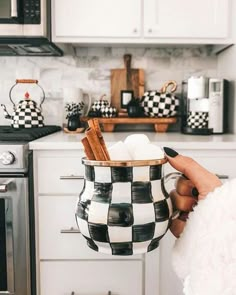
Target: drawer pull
{"points": [[66, 177], [73, 293], [70, 231]]}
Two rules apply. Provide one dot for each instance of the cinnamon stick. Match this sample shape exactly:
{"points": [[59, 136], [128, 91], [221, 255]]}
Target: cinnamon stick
{"points": [[94, 124], [87, 149], [95, 144]]}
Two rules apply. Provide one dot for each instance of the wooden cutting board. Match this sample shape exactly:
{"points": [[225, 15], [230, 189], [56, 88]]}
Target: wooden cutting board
{"points": [[126, 79]]}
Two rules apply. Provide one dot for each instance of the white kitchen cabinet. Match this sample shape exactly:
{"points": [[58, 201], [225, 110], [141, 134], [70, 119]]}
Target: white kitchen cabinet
{"points": [[186, 19], [142, 21], [89, 278], [221, 162], [97, 19], [65, 264]]}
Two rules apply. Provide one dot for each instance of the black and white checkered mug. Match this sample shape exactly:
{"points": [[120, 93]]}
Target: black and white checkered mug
{"points": [[124, 208]]}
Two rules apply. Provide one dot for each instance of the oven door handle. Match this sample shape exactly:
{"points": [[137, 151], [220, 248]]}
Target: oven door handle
{"points": [[4, 186]]}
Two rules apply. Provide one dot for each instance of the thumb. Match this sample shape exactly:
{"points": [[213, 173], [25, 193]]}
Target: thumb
{"points": [[203, 180]]}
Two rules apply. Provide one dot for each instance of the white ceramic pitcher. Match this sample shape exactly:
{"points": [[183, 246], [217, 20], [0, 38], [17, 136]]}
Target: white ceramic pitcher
{"points": [[74, 94]]}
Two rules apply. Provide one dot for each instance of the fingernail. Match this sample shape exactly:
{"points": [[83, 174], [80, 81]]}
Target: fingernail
{"points": [[183, 216], [171, 153], [195, 192]]}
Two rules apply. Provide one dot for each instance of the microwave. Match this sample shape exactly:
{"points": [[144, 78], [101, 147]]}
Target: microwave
{"points": [[25, 28]]}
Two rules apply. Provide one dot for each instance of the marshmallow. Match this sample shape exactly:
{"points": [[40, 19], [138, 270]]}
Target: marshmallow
{"points": [[147, 151], [119, 151], [134, 140]]}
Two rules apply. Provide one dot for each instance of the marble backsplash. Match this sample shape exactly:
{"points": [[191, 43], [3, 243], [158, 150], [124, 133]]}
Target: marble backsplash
{"points": [[89, 68]]}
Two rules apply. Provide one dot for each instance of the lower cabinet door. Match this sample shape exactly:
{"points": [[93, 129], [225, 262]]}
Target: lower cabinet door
{"points": [[91, 278]]}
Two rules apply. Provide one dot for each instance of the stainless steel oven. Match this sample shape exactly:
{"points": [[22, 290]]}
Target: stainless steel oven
{"points": [[14, 235], [16, 221], [17, 224]]}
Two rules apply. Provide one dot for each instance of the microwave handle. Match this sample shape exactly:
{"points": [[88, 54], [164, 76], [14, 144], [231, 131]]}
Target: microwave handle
{"points": [[14, 12]]}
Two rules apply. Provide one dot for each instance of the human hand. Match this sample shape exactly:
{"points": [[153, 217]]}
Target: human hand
{"points": [[194, 185]]}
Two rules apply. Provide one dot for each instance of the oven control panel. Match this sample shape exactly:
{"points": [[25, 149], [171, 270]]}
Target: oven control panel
{"points": [[7, 158], [13, 157]]}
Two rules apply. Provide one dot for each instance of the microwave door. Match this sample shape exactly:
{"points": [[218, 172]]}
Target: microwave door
{"points": [[10, 11]]}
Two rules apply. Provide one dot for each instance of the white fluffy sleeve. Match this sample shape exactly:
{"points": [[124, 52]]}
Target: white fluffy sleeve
{"points": [[205, 253]]}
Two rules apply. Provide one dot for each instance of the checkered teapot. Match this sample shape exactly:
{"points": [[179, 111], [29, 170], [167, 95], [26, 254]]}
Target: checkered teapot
{"points": [[26, 114], [161, 103]]}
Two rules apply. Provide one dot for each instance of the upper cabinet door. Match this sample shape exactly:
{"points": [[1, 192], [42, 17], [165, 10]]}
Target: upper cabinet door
{"points": [[186, 18], [93, 18]]}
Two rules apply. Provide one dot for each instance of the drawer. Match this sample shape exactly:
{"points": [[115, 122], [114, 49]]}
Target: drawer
{"points": [[219, 162], [60, 175], [56, 217], [91, 277]]}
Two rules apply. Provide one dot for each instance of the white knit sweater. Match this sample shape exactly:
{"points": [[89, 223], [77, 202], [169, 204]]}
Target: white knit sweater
{"points": [[205, 254]]}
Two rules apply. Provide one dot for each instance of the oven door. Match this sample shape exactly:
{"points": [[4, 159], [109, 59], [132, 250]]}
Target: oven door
{"points": [[14, 236]]}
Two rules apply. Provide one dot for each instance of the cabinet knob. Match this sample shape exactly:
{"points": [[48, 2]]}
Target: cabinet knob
{"points": [[135, 30], [150, 30]]}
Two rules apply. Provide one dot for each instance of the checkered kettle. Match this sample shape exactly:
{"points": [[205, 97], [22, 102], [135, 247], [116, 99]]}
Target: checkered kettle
{"points": [[26, 114], [124, 208]]}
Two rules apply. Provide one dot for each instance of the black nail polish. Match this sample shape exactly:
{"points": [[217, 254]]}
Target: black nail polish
{"points": [[195, 192], [171, 153]]}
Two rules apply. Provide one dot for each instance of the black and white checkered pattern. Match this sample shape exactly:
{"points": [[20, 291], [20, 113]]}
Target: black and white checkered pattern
{"points": [[122, 210], [98, 104], [108, 112], [27, 115], [197, 120], [156, 104]]}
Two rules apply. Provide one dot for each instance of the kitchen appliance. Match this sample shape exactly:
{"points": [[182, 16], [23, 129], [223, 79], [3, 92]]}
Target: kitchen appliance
{"points": [[26, 114], [25, 28], [17, 236], [204, 106]]}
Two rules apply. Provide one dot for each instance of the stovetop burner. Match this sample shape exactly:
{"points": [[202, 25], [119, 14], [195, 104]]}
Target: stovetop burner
{"points": [[7, 133]]}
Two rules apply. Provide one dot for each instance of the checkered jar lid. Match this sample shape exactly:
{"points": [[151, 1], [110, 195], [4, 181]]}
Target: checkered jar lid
{"points": [[156, 104], [122, 210]]}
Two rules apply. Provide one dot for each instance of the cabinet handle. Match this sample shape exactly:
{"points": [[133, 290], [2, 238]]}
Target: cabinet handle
{"points": [[108, 293], [70, 231], [66, 177]]}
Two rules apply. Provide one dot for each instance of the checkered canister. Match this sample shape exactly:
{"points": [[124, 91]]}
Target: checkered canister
{"points": [[156, 104], [197, 120], [122, 210]]}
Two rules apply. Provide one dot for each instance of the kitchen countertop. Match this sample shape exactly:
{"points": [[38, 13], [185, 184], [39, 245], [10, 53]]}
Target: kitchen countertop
{"points": [[64, 141]]}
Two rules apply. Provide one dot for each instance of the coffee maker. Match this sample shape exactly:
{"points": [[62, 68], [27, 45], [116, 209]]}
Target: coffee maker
{"points": [[204, 106]]}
